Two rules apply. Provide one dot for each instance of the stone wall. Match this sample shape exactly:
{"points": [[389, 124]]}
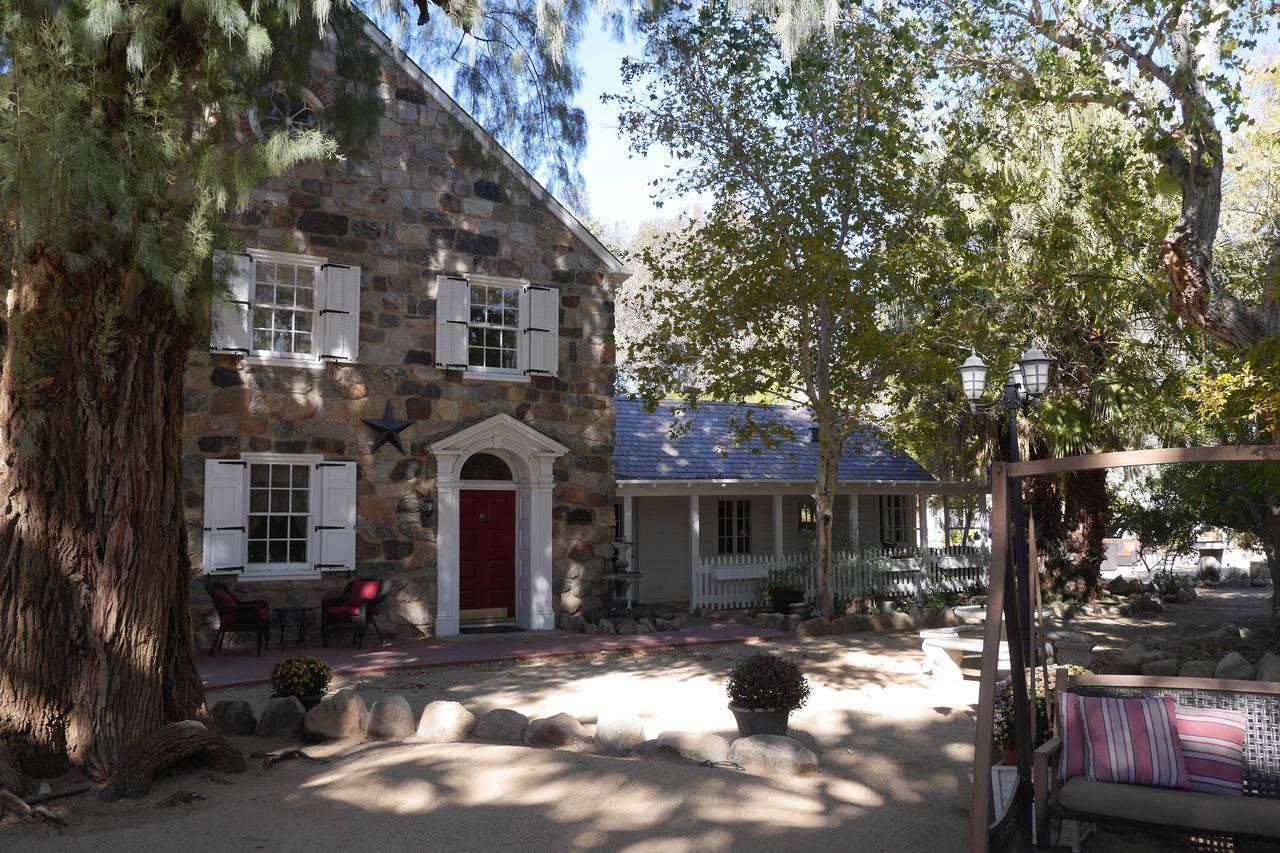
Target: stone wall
{"points": [[407, 210]]}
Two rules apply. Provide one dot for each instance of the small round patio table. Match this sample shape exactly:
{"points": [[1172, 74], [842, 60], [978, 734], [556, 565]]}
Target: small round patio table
{"points": [[285, 613]]}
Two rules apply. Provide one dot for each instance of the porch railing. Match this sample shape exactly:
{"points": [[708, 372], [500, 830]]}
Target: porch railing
{"points": [[733, 581]]}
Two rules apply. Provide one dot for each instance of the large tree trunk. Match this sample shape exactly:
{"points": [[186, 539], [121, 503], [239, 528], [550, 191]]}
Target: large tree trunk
{"points": [[824, 499], [1071, 516], [95, 636]]}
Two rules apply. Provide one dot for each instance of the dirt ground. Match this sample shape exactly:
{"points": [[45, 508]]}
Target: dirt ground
{"points": [[896, 753]]}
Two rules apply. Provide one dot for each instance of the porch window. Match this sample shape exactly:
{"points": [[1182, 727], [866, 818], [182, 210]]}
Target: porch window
{"points": [[733, 527], [808, 516], [897, 524]]}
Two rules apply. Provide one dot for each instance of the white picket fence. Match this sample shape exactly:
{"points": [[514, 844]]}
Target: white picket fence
{"points": [[734, 580]]}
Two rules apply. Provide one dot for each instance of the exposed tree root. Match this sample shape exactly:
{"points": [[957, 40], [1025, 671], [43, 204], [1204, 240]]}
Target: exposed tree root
{"points": [[279, 755], [11, 802], [167, 746]]}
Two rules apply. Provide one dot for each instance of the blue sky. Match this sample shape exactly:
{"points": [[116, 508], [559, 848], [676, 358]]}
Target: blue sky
{"points": [[617, 183]]}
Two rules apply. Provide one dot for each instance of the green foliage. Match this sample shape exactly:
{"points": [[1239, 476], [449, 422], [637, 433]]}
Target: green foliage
{"points": [[768, 681], [300, 676], [790, 579]]}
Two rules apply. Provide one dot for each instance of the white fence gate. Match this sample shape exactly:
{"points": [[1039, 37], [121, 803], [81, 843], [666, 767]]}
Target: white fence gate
{"points": [[735, 580]]}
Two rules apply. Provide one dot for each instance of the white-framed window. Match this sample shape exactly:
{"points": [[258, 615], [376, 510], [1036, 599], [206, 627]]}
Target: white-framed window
{"points": [[808, 516], [733, 527], [290, 111], [502, 328], [493, 330], [286, 308], [897, 520], [279, 515]]}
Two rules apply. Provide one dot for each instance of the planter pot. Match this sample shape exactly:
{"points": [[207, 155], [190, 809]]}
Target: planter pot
{"points": [[783, 599], [761, 721], [311, 700], [1009, 755], [801, 609], [888, 606]]}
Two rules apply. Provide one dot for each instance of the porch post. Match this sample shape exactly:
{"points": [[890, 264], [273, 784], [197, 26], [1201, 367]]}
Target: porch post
{"points": [[778, 554], [628, 536], [448, 554], [695, 533], [922, 513], [855, 535]]}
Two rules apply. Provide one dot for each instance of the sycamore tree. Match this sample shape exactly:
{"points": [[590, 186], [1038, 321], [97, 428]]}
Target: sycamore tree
{"points": [[1063, 217], [788, 287], [1177, 73]]}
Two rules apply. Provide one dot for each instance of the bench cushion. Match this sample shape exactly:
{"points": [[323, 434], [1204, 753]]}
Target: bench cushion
{"points": [[1213, 749], [1133, 741], [1255, 816]]}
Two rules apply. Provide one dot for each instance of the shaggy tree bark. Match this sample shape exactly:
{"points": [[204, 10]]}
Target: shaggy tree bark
{"points": [[95, 635], [830, 450], [1071, 516]]}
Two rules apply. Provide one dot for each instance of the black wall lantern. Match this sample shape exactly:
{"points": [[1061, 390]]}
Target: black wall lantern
{"points": [[428, 508]]}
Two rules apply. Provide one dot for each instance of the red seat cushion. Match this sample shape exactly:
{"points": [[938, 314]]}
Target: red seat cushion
{"points": [[1213, 749], [222, 599], [264, 613], [362, 591], [343, 610]]}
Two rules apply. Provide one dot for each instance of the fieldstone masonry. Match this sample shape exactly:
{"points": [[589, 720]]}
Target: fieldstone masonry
{"points": [[411, 207]]}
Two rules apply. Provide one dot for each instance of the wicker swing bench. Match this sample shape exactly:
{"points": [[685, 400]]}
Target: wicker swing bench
{"points": [[1213, 821]]}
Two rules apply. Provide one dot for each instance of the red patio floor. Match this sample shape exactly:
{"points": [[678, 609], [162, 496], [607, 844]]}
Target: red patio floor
{"points": [[231, 668]]}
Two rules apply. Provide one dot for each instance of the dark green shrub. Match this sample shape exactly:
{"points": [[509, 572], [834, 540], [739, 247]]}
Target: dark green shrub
{"points": [[300, 676], [767, 680]]}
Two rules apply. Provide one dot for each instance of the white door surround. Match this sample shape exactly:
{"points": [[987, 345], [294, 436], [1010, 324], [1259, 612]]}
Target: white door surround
{"points": [[530, 455]]}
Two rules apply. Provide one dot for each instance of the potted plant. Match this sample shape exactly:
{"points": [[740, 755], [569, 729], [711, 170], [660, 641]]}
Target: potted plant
{"points": [[763, 691], [303, 677], [1002, 722], [782, 589]]}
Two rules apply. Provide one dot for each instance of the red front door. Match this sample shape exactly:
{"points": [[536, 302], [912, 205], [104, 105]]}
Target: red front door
{"points": [[487, 570]]}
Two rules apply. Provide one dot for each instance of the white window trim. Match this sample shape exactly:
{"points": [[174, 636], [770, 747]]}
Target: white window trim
{"points": [[275, 359], [501, 374], [735, 520], [887, 513], [291, 572]]}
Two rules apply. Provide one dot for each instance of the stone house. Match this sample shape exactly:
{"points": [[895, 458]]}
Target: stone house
{"points": [[462, 310]]}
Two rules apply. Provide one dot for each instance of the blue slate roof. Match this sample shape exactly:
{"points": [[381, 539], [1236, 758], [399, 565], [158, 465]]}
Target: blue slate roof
{"points": [[645, 450]]}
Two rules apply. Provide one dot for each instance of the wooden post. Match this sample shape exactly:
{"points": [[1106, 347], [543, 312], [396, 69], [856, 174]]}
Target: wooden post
{"points": [[855, 535], [979, 821], [695, 532]]}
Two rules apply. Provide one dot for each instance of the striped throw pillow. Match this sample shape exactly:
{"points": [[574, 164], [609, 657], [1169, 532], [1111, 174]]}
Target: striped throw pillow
{"points": [[1133, 741], [1213, 748], [1072, 725]]}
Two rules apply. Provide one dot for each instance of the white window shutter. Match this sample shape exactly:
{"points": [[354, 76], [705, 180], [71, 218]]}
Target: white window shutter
{"points": [[338, 333], [224, 515], [542, 331], [453, 307], [336, 518], [231, 312]]}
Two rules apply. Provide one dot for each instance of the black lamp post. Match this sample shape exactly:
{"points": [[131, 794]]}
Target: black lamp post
{"points": [[1027, 381]]}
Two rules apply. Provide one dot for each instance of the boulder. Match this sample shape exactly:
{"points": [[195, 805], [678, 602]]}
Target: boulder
{"points": [[1164, 666], [865, 622], [1119, 586], [281, 718], [745, 619], [606, 626], [792, 622], [773, 755], [234, 717], [819, 626], [502, 724], [391, 719], [846, 625], [618, 732], [1234, 665], [647, 624], [1184, 595], [590, 628], [624, 626], [694, 746], [947, 618], [571, 622], [563, 731], [1197, 669], [1269, 667], [1136, 656], [899, 621], [443, 721], [772, 621], [341, 715], [678, 621]]}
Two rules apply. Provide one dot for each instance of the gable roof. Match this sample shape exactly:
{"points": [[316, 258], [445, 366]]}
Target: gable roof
{"points": [[645, 450], [618, 271]]}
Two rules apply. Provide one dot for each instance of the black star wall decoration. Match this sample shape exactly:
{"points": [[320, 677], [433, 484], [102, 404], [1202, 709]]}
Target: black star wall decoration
{"points": [[388, 429]]}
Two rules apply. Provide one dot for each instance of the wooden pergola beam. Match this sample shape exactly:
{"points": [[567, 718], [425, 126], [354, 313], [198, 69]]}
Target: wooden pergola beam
{"points": [[1158, 456]]}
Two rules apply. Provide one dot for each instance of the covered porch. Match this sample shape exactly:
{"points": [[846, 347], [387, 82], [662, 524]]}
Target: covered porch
{"points": [[711, 543]]}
